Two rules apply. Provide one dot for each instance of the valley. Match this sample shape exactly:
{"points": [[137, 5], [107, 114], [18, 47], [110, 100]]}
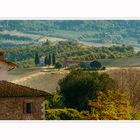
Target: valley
{"points": [[91, 68]]}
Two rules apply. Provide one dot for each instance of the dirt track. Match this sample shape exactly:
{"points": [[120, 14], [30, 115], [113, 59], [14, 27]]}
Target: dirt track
{"points": [[34, 78], [27, 77]]}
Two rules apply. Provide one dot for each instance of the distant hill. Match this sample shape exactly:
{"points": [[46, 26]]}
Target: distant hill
{"points": [[92, 31]]}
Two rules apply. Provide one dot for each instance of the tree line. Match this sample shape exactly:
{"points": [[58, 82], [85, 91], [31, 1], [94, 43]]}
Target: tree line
{"points": [[92, 96], [48, 60], [66, 49], [97, 96]]}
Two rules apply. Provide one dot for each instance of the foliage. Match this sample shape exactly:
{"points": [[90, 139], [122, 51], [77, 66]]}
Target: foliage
{"points": [[69, 50], [78, 87], [47, 43], [128, 81], [110, 106], [97, 31], [46, 61], [137, 116], [82, 65], [37, 60], [26, 63], [50, 59], [55, 102], [58, 65], [53, 58], [96, 65], [63, 114]]}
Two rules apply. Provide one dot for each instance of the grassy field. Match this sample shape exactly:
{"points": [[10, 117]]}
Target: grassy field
{"points": [[14, 38], [46, 81], [121, 62], [22, 72], [21, 34], [36, 78]]}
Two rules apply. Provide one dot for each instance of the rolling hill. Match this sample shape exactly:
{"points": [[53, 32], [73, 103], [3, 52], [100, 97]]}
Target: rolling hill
{"points": [[89, 31]]}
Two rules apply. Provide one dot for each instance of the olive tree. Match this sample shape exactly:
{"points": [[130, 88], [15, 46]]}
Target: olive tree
{"points": [[78, 87]]}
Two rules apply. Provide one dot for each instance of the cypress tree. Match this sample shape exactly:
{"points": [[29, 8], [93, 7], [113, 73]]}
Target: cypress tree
{"points": [[50, 60], [37, 60], [46, 60], [53, 58]]}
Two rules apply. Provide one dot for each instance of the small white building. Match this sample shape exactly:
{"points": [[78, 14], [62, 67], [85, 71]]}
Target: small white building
{"points": [[5, 65]]}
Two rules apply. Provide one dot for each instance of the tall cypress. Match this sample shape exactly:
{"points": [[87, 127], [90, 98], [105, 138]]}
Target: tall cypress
{"points": [[46, 60], [50, 59], [53, 59], [37, 60]]}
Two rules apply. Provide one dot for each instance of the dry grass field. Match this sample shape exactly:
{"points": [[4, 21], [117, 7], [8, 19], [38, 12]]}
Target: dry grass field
{"points": [[46, 81], [36, 78]]}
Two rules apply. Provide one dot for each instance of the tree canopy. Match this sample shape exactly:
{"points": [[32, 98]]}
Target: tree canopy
{"points": [[78, 87], [37, 60], [96, 65], [66, 49], [111, 106], [58, 65]]}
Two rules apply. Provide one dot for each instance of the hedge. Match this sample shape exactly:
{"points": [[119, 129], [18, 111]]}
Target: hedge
{"points": [[63, 114]]}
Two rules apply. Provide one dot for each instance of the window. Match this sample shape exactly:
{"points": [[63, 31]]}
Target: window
{"points": [[28, 108]]}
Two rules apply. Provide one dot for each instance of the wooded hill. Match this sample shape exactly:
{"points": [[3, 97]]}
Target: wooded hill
{"points": [[66, 50], [95, 31]]}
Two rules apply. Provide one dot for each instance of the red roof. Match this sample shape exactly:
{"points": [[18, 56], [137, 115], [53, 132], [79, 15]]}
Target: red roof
{"points": [[8, 89], [8, 62], [73, 61], [76, 61]]}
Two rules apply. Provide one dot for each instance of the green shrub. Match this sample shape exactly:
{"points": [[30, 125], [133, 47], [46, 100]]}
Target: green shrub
{"points": [[96, 65], [58, 65], [64, 114], [55, 102], [78, 87]]}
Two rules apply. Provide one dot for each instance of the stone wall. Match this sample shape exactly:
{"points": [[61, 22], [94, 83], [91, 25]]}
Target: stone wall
{"points": [[13, 108], [3, 71]]}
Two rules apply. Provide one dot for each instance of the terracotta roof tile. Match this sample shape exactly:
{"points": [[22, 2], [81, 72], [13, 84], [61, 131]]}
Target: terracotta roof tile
{"points": [[8, 62], [8, 89]]}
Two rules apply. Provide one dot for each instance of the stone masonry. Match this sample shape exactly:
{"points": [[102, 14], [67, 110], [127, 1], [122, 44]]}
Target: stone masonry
{"points": [[13, 108]]}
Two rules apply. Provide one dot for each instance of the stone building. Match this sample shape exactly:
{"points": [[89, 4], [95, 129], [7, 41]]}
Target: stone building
{"points": [[21, 103], [5, 65], [76, 63]]}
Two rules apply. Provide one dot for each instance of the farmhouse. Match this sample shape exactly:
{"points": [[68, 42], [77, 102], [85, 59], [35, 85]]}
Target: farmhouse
{"points": [[19, 102], [75, 63], [5, 65]]}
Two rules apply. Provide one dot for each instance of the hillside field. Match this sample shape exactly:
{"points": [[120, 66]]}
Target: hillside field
{"points": [[121, 62], [48, 81], [36, 78]]}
